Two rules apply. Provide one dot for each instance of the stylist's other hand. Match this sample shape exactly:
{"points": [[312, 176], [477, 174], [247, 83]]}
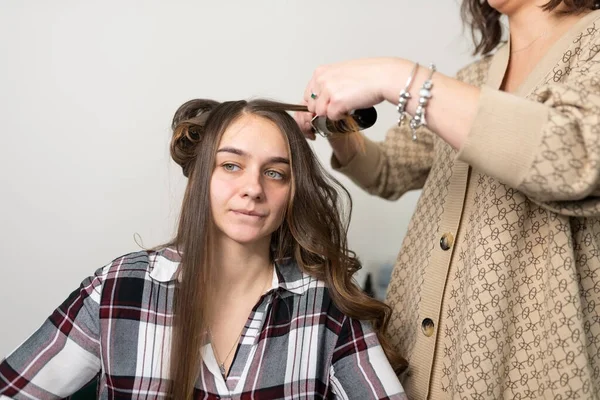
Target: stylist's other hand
{"points": [[303, 119], [336, 89]]}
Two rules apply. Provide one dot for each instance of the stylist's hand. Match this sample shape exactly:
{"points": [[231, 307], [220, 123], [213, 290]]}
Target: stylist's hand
{"points": [[303, 119], [346, 86]]}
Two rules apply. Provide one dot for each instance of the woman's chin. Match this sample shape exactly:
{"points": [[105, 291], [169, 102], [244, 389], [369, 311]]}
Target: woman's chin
{"points": [[247, 237]]}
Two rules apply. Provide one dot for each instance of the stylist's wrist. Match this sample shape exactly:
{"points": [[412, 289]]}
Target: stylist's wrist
{"points": [[394, 76]]}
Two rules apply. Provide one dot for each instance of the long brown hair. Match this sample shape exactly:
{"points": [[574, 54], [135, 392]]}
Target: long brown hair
{"points": [[314, 231], [484, 20]]}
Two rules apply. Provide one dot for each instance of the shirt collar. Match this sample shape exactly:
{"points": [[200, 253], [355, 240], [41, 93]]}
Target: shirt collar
{"points": [[164, 267], [164, 264]]}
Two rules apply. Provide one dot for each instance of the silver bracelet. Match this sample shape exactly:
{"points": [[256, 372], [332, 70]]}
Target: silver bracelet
{"points": [[418, 120], [405, 95]]}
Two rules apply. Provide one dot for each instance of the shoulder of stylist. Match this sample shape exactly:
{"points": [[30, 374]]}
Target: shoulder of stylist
{"points": [[547, 144]]}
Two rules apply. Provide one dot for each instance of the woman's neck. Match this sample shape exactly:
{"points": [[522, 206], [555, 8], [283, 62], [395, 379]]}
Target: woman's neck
{"points": [[533, 28], [240, 268], [533, 32]]}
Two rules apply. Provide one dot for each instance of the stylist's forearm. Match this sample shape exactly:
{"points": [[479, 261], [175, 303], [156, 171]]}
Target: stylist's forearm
{"points": [[450, 111], [345, 147]]}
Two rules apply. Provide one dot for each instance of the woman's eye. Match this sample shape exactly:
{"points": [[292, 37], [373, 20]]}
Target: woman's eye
{"points": [[274, 174], [230, 167]]}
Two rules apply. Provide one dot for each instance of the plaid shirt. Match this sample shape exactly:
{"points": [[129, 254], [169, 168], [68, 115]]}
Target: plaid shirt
{"points": [[117, 327]]}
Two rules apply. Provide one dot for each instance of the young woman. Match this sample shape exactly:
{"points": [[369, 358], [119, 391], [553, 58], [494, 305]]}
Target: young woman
{"points": [[496, 289], [254, 297]]}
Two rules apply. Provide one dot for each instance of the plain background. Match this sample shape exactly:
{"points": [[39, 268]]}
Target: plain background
{"points": [[87, 93]]}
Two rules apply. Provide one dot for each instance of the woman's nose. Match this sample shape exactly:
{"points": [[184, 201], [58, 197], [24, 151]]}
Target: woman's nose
{"points": [[252, 186]]}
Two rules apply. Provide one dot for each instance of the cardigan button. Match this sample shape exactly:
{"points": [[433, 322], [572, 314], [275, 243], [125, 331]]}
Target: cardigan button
{"points": [[446, 241], [427, 327]]}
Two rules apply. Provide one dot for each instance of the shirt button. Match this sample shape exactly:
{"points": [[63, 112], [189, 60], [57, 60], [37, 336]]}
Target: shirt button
{"points": [[446, 241], [427, 327]]}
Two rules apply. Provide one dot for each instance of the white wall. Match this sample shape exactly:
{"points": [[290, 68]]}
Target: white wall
{"points": [[87, 91]]}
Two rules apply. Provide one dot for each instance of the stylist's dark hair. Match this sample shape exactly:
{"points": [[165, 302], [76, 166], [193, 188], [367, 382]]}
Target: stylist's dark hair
{"points": [[484, 20], [313, 231]]}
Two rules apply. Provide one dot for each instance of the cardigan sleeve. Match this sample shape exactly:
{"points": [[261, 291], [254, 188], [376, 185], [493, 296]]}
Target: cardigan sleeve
{"points": [[546, 146], [393, 167]]}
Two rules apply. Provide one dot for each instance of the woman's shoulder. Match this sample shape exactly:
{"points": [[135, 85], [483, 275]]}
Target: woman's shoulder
{"points": [[309, 293], [298, 280], [159, 265], [586, 34]]}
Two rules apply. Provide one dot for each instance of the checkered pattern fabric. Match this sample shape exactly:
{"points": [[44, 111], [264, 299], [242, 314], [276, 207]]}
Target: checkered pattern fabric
{"points": [[116, 327]]}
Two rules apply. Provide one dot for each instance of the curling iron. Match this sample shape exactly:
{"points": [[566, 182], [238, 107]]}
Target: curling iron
{"points": [[363, 118]]}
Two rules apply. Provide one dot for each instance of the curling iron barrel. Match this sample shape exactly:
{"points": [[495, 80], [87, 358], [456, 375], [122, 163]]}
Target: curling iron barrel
{"points": [[362, 119]]}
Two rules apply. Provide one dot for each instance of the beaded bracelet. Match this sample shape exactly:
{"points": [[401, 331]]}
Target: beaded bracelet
{"points": [[405, 95], [418, 120]]}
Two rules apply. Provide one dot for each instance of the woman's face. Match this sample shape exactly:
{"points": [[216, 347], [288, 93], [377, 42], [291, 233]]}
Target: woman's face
{"points": [[250, 184]]}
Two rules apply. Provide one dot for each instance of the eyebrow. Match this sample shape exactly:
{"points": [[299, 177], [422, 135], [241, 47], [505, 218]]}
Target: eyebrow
{"points": [[272, 160]]}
